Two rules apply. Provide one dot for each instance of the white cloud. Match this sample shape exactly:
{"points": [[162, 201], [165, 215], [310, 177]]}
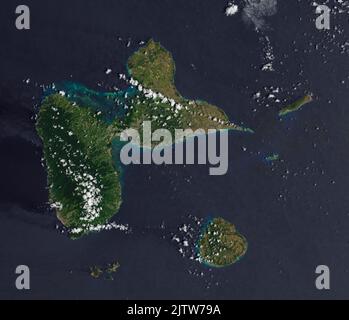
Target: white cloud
{"points": [[231, 9], [255, 12]]}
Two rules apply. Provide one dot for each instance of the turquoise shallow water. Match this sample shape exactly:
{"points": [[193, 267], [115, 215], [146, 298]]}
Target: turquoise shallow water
{"points": [[111, 105]]}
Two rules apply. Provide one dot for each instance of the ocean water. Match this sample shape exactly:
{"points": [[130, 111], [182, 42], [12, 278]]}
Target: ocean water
{"points": [[294, 213]]}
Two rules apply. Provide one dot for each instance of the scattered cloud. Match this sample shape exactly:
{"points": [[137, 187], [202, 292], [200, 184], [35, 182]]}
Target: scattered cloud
{"points": [[256, 11]]}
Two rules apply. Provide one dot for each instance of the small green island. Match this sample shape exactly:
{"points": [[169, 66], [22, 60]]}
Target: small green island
{"points": [[220, 244], [272, 158], [84, 182], [107, 271], [297, 105]]}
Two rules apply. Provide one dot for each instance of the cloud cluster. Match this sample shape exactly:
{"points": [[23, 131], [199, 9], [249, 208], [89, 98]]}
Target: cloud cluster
{"points": [[255, 12], [231, 9]]}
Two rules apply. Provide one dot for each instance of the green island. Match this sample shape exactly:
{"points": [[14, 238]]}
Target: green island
{"points": [[84, 182], [272, 158], [107, 271], [297, 105], [220, 245]]}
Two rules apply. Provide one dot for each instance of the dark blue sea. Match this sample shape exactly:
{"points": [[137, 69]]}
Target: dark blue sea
{"points": [[294, 212]]}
